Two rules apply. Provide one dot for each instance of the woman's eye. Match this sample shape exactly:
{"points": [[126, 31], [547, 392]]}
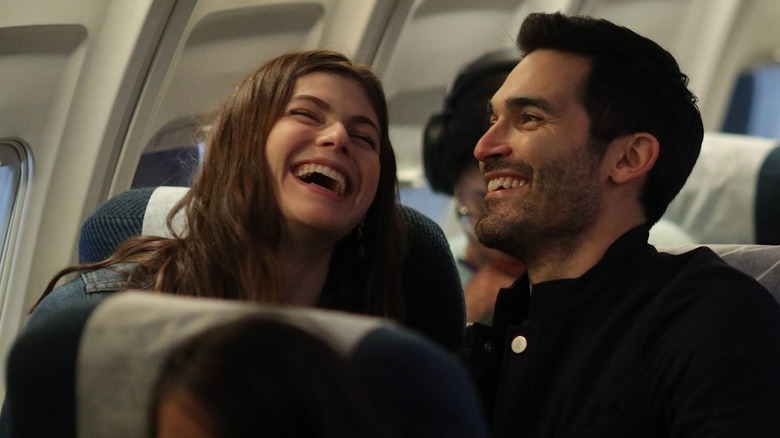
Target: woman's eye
{"points": [[364, 139], [305, 114]]}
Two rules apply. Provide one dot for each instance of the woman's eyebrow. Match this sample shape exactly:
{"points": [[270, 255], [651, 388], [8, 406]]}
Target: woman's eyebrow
{"points": [[360, 119], [313, 99], [364, 120]]}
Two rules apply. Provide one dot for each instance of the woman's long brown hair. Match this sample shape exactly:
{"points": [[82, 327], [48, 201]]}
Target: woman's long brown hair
{"points": [[228, 248]]}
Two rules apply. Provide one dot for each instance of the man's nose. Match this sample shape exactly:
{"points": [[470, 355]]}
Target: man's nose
{"points": [[492, 144]]}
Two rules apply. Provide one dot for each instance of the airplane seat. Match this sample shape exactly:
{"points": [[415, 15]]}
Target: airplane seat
{"points": [[767, 196], [429, 270], [113, 223], [88, 369], [731, 195], [761, 262]]}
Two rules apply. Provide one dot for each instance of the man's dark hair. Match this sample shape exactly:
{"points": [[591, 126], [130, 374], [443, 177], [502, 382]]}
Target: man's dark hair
{"points": [[634, 86]]}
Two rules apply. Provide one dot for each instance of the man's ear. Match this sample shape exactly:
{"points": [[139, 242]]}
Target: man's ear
{"points": [[632, 156]]}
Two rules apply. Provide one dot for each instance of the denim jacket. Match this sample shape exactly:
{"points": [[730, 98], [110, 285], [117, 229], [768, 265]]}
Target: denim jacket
{"points": [[90, 285]]}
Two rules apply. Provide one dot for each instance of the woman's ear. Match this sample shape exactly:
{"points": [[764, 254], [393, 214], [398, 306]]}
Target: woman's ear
{"points": [[632, 156]]}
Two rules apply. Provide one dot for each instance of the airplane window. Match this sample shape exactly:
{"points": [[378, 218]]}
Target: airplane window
{"points": [[754, 108], [10, 178], [168, 167]]}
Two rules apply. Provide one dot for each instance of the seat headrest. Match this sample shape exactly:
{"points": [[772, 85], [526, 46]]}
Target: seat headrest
{"points": [[141, 211], [112, 223], [127, 337], [767, 194], [157, 208], [718, 202]]}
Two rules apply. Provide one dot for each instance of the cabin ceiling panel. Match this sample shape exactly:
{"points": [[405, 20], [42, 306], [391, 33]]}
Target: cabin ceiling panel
{"points": [[33, 59], [225, 45]]}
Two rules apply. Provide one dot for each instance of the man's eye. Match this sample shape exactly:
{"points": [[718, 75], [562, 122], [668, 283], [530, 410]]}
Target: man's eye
{"points": [[530, 118]]}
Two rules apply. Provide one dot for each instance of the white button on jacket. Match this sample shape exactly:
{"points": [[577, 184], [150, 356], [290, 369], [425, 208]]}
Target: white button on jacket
{"points": [[519, 344]]}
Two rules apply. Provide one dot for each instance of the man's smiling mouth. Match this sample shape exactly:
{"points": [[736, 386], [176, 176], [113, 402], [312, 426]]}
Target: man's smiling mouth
{"points": [[323, 176], [505, 182]]}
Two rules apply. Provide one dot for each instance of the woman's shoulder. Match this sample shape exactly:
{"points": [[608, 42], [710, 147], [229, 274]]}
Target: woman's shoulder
{"points": [[105, 280], [88, 285]]}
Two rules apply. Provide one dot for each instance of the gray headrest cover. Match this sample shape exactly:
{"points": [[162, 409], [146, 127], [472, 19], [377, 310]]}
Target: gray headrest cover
{"points": [[717, 203], [160, 203], [128, 335]]}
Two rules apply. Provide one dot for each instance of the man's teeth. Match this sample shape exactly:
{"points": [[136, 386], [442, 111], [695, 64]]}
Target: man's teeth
{"points": [[337, 183], [504, 182]]}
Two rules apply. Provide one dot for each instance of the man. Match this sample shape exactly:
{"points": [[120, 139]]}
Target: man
{"points": [[593, 133]]}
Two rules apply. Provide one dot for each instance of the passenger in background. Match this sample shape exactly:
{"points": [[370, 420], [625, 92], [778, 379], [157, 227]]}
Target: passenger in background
{"points": [[256, 377], [450, 167], [592, 135], [294, 203]]}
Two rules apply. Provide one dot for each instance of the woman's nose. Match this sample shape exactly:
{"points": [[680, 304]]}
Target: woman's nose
{"points": [[334, 135]]}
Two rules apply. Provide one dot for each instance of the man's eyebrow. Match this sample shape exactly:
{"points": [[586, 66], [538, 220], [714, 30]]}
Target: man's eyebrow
{"points": [[514, 103], [360, 119]]}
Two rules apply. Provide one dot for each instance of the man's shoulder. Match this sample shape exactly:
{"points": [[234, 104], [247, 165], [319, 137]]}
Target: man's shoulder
{"points": [[703, 269], [759, 262], [704, 290]]}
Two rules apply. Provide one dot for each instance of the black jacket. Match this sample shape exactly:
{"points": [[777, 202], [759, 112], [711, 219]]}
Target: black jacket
{"points": [[643, 344]]}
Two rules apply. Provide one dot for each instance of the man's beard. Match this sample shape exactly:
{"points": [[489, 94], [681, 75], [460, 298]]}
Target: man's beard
{"points": [[561, 203]]}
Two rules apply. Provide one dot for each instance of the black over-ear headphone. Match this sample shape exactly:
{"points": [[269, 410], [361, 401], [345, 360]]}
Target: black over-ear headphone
{"points": [[439, 158]]}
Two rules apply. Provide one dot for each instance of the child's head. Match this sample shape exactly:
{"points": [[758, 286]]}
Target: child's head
{"points": [[258, 377]]}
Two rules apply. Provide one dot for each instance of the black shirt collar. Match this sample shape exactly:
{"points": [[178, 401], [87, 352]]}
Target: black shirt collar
{"points": [[552, 298]]}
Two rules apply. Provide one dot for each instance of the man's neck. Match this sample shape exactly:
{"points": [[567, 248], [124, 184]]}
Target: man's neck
{"points": [[571, 258]]}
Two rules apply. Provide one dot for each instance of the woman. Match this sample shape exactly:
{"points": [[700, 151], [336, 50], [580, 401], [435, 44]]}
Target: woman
{"points": [[294, 202]]}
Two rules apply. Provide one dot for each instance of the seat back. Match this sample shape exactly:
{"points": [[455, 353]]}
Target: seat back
{"points": [[767, 196], [112, 223], [731, 195], [430, 278], [88, 370]]}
